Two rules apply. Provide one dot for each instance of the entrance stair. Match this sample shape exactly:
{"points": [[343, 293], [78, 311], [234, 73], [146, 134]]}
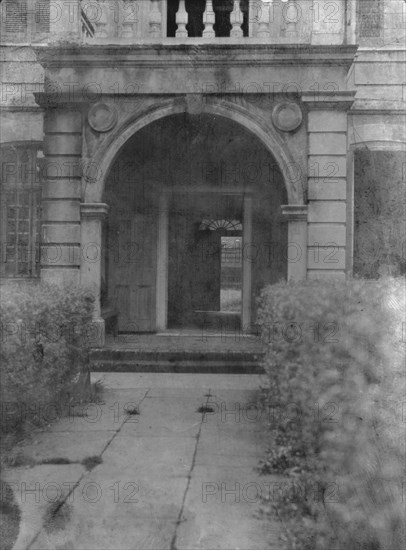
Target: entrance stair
{"points": [[179, 352]]}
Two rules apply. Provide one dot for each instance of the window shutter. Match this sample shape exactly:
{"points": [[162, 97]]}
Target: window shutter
{"points": [[42, 16], [16, 16], [370, 18]]}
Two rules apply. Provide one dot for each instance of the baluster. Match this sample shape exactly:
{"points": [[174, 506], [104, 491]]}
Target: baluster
{"points": [[209, 19], [263, 26], [236, 20], [155, 20], [181, 20], [128, 26], [290, 13], [100, 24], [88, 30]]}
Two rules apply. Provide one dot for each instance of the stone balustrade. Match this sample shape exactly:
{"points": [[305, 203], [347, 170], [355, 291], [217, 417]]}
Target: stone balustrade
{"points": [[221, 21]]}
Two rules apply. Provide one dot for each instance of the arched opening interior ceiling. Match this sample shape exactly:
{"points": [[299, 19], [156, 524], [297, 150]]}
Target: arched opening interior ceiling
{"points": [[243, 122]]}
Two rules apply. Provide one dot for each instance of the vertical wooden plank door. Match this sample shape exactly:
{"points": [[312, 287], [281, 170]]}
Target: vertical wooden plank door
{"points": [[133, 273]]}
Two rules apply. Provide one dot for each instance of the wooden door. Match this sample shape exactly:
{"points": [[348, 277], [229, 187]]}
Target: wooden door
{"points": [[194, 263], [133, 272]]}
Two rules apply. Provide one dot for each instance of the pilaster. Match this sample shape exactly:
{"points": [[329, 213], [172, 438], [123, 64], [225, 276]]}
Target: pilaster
{"points": [[327, 184], [92, 216], [61, 195], [296, 217]]}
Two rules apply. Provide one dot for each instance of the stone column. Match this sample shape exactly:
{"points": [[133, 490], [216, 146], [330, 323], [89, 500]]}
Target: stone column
{"points": [[327, 183], [92, 216], [61, 195], [296, 217], [162, 264]]}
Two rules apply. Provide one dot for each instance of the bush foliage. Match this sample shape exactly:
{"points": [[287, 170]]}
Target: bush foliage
{"points": [[335, 361], [44, 334]]}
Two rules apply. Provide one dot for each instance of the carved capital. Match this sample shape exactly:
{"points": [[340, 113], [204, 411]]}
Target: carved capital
{"points": [[95, 210], [294, 212]]}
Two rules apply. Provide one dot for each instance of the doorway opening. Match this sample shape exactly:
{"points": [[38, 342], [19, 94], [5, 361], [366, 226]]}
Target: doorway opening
{"points": [[191, 244], [205, 262]]}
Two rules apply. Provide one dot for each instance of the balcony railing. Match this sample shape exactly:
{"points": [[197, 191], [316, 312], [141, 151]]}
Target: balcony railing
{"points": [[219, 21]]}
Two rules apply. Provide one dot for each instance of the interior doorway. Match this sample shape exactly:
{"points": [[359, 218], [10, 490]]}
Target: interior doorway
{"points": [[205, 265]]}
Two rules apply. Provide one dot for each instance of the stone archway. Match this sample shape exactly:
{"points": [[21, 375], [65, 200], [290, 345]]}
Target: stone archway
{"points": [[94, 210]]}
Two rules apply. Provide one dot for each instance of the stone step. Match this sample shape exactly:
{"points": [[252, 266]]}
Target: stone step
{"points": [[130, 360]]}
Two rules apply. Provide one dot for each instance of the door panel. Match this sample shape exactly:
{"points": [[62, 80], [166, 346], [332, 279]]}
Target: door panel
{"points": [[133, 273]]}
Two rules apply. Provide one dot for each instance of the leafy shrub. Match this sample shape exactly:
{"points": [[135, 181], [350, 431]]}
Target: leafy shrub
{"points": [[44, 333], [335, 363]]}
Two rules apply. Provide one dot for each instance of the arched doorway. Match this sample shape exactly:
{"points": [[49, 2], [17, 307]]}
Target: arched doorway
{"points": [[194, 229]]}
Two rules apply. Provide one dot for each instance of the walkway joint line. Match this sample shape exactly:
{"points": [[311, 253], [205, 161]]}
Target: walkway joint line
{"points": [[189, 478]]}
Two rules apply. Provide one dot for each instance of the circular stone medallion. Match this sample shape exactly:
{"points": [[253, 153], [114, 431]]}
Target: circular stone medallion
{"points": [[287, 116], [102, 117]]}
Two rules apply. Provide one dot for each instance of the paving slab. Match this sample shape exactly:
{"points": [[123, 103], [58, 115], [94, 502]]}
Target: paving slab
{"points": [[203, 533], [36, 489], [150, 452], [121, 530], [72, 446], [162, 421], [168, 415], [227, 514], [102, 492]]}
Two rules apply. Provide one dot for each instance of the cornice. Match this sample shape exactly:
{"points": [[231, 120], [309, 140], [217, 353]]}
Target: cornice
{"points": [[21, 108], [377, 111], [337, 100], [192, 56]]}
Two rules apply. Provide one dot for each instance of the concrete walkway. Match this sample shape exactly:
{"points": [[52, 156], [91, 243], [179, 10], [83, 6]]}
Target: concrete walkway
{"points": [[169, 477]]}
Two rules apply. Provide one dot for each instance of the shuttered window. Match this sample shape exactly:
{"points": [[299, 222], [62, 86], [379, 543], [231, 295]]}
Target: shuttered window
{"points": [[25, 20], [15, 16], [42, 16], [370, 19], [20, 202]]}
